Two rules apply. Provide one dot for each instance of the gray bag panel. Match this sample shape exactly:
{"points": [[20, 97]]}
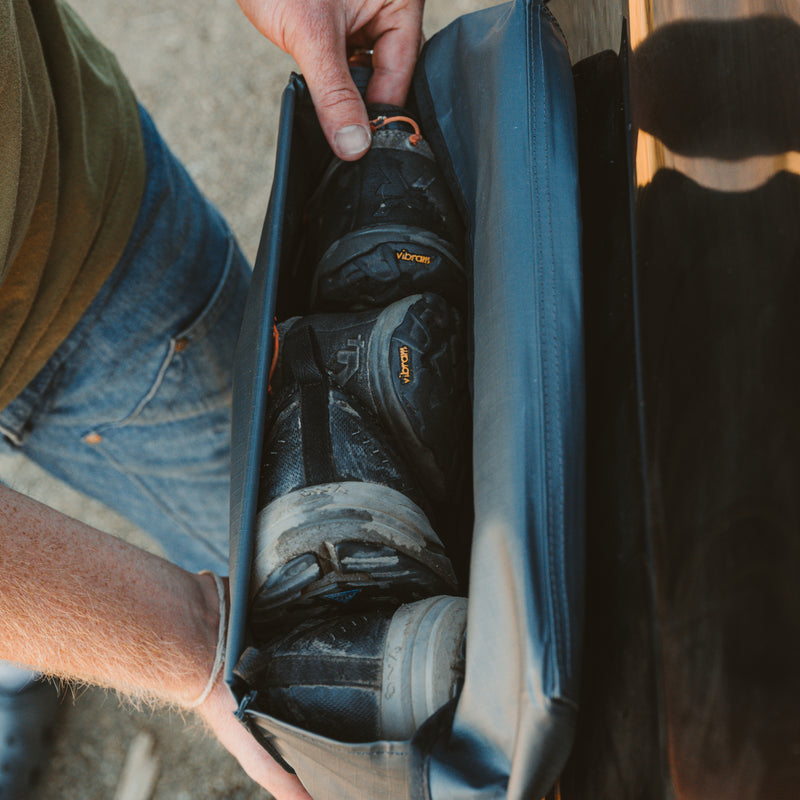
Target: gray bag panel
{"points": [[499, 88], [331, 769], [495, 91]]}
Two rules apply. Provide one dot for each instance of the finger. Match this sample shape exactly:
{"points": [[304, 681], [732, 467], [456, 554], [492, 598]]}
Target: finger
{"points": [[394, 55], [340, 109], [264, 771], [218, 712]]}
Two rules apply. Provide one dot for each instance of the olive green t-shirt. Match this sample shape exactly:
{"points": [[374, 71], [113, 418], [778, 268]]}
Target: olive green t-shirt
{"points": [[72, 171]]}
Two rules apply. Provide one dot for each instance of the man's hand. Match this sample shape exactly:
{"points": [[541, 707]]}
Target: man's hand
{"points": [[317, 34], [218, 709]]}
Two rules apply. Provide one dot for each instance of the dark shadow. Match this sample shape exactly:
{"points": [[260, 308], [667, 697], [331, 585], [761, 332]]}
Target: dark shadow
{"points": [[616, 751], [719, 277], [722, 89], [717, 502]]}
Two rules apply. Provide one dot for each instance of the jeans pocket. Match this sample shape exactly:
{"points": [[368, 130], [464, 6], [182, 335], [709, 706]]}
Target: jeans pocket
{"points": [[166, 464], [194, 376]]}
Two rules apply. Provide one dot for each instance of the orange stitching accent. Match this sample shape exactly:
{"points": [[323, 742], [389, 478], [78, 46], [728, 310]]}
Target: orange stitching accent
{"points": [[415, 138], [275, 347]]}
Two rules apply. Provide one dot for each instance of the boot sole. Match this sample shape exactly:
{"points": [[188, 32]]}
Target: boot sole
{"points": [[342, 545], [375, 266], [422, 391]]}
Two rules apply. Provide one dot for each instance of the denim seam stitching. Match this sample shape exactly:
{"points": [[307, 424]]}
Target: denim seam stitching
{"points": [[199, 327], [218, 301]]}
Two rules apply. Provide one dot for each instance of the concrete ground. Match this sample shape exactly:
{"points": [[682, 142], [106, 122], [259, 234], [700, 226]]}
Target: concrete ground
{"points": [[213, 85]]}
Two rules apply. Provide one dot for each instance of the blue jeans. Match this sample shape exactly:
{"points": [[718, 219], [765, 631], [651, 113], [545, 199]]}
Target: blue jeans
{"points": [[134, 407]]}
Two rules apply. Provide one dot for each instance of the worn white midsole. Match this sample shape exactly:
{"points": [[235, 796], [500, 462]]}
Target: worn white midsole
{"points": [[316, 519], [422, 657]]}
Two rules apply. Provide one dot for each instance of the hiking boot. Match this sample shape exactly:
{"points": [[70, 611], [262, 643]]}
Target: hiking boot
{"points": [[407, 366], [364, 677], [385, 226], [342, 521]]}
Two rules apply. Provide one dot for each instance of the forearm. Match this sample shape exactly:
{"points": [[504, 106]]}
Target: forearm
{"points": [[83, 605]]}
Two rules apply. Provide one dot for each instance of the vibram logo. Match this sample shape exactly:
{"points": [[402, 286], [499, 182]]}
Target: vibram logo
{"points": [[405, 368], [405, 255]]}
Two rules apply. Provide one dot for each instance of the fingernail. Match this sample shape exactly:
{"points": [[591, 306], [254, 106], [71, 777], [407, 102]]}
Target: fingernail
{"points": [[351, 140]]}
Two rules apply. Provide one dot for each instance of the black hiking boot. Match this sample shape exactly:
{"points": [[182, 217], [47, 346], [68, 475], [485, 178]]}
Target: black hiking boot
{"points": [[376, 675], [342, 522], [406, 365], [385, 226]]}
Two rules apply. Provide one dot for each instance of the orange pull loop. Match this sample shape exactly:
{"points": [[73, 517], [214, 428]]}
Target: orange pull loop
{"points": [[379, 122]]}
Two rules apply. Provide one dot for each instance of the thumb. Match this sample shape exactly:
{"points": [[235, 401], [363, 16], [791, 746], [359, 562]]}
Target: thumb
{"points": [[340, 109]]}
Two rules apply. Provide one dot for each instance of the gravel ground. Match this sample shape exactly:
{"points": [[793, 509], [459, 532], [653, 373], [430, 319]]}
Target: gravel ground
{"points": [[213, 85]]}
